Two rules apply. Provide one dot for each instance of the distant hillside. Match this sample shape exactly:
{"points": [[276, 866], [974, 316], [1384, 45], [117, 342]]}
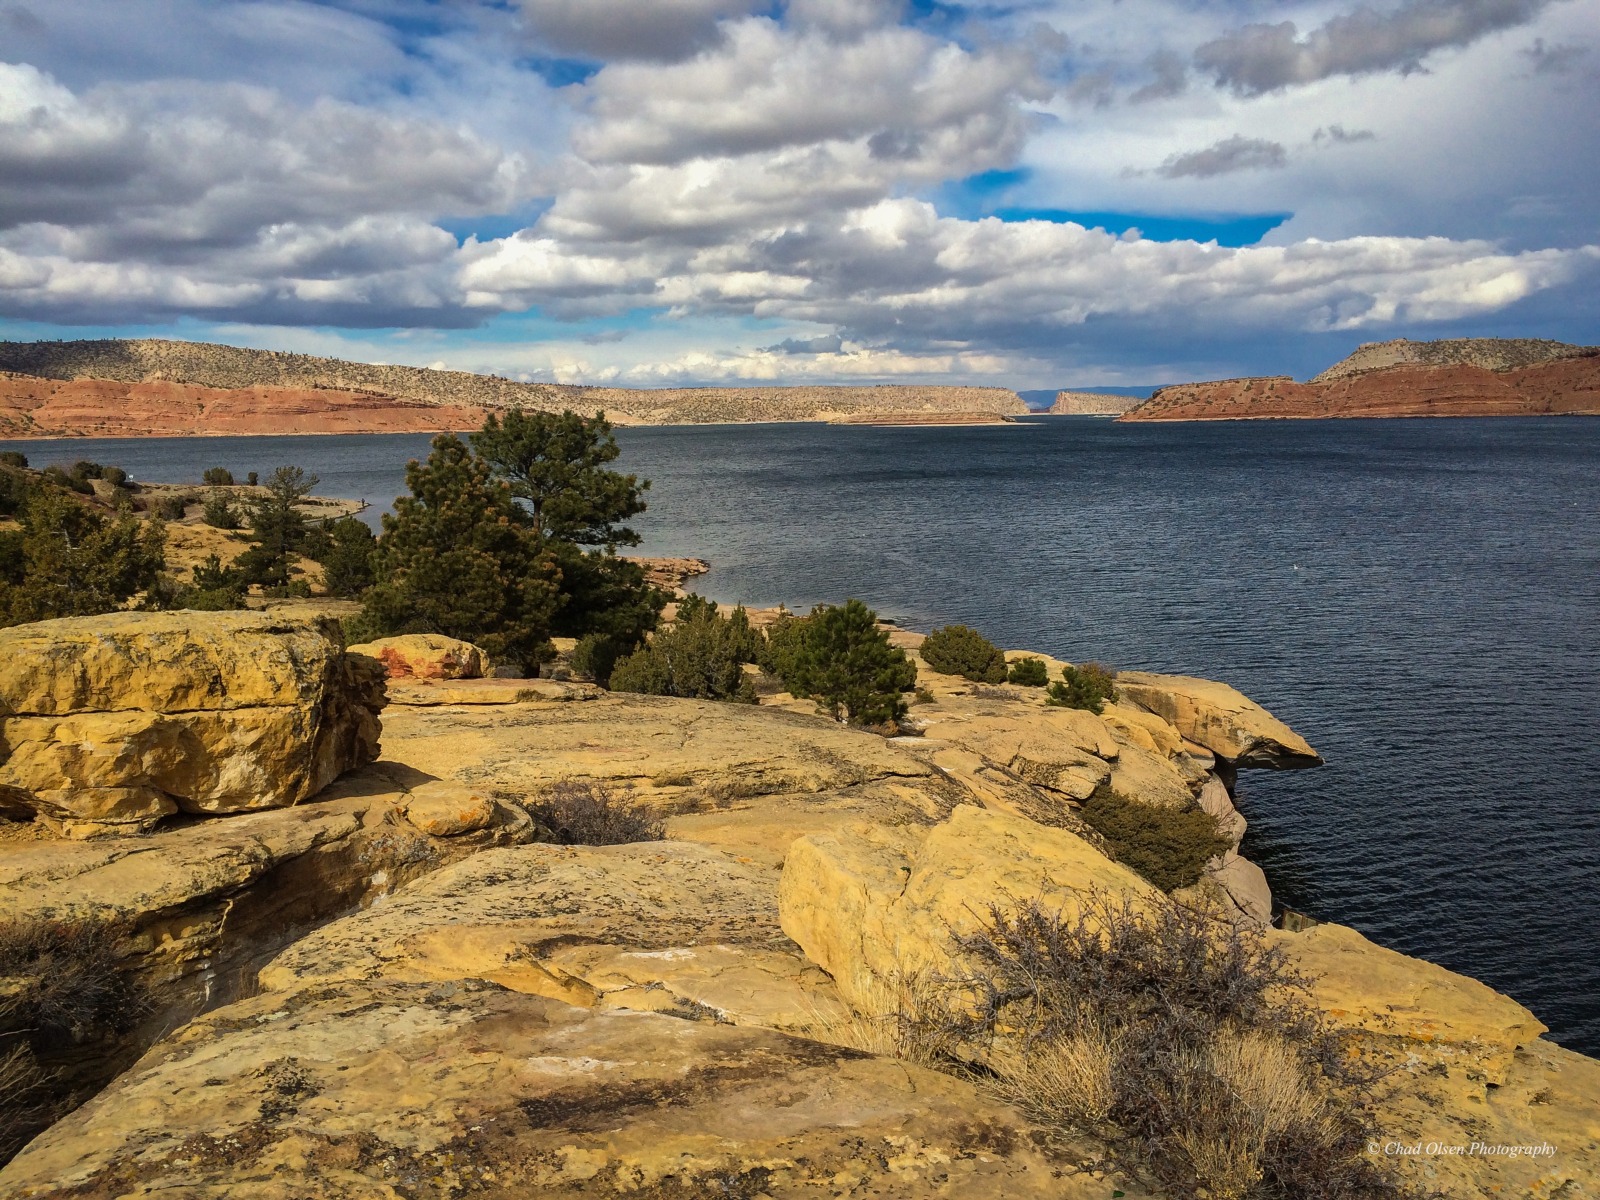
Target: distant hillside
{"points": [[694, 406], [1479, 377], [1491, 354], [1093, 404], [152, 360], [253, 389]]}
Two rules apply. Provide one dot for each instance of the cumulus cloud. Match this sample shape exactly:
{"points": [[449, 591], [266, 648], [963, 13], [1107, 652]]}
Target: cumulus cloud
{"points": [[165, 197], [1171, 78], [739, 161], [768, 88], [898, 271], [662, 30], [1237, 153], [1264, 58]]}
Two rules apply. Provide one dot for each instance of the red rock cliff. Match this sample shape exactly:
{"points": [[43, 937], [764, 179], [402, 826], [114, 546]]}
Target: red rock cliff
{"points": [[1567, 385]]}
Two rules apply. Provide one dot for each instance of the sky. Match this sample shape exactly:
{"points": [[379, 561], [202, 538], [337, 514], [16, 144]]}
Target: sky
{"points": [[650, 193]]}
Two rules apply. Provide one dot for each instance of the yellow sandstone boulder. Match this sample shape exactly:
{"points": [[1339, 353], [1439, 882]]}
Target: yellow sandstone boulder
{"points": [[1368, 987], [109, 723], [426, 656], [443, 809], [1220, 718], [874, 908]]}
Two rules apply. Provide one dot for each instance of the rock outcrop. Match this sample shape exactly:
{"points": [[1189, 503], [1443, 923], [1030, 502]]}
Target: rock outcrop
{"points": [[1093, 404], [426, 656], [1475, 378], [353, 1091], [1490, 354], [108, 724], [877, 909], [1220, 718], [684, 1017]]}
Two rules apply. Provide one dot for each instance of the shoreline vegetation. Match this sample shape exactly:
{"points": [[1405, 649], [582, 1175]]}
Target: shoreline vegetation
{"points": [[477, 856]]}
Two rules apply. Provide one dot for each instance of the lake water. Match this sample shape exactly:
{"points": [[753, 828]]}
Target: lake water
{"points": [[1420, 599]]}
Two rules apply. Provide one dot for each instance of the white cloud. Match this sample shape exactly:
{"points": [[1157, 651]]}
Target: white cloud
{"points": [[770, 88], [759, 174]]}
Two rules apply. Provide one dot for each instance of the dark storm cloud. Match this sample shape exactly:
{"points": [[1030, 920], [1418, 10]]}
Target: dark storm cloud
{"points": [[1264, 58]]}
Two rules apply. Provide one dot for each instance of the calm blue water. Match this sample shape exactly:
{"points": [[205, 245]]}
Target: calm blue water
{"points": [[1421, 599]]}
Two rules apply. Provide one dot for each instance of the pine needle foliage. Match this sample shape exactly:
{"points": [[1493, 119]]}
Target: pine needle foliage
{"points": [[959, 650]]}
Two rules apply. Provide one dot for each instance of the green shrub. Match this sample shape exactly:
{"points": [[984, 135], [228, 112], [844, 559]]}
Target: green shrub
{"points": [[583, 813], [700, 656], [216, 588], [1185, 1043], [1088, 686], [1029, 672], [595, 656], [347, 563], [252, 479], [115, 476], [83, 470], [70, 483], [219, 512], [838, 656], [1168, 846], [15, 488], [958, 650], [219, 477], [778, 655], [13, 458], [73, 561], [173, 506], [641, 672]]}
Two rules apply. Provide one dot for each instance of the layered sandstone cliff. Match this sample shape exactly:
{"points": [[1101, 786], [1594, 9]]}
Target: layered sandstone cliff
{"points": [[1474, 378], [1092, 404], [143, 388]]}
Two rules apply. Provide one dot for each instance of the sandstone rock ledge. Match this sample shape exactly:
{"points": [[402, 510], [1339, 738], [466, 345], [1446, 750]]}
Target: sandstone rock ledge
{"points": [[670, 1019], [108, 724]]}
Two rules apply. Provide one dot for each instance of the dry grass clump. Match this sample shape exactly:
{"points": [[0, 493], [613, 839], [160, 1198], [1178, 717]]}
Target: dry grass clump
{"points": [[63, 991], [906, 1018], [1184, 1042], [580, 812]]}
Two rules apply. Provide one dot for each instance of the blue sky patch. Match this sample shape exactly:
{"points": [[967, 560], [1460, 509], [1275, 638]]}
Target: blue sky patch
{"points": [[494, 225], [1226, 230]]}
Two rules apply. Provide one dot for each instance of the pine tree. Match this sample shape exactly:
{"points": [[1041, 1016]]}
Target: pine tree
{"points": [[555, 464], [458, 557], [840, 657], [347, 563], [70, 561], [277, 527]]}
